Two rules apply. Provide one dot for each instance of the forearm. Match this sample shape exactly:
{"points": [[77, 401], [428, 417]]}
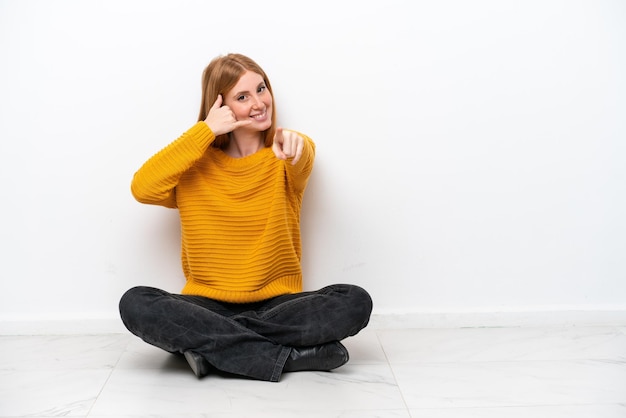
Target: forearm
{"points": [[155, 182]]}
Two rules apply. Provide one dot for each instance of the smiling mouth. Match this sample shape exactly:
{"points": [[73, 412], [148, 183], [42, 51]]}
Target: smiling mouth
{"points": [[260, 115]]}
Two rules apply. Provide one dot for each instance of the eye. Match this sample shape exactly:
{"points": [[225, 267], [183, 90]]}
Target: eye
{"points": [[261, 88], [241, 97]]}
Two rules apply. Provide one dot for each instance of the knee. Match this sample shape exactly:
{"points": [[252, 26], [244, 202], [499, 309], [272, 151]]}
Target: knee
{"points": [[128, 299], [359, 301], [362, 301], [126, 304], [132, 303]]}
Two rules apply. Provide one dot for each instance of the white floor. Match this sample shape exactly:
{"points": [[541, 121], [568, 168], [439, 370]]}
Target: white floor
{"points": [[440, 373]]}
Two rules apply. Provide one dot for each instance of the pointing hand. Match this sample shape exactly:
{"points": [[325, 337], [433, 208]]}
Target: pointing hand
{"points": [[288, 145]]}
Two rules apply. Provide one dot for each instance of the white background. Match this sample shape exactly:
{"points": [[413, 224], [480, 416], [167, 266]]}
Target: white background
{"points": [[471, 154]]}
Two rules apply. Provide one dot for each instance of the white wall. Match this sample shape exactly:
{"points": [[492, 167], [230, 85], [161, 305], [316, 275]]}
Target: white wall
{"points": [[470, 154]]}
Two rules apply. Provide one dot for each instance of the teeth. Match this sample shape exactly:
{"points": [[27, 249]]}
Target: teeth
{"points": [[260, 116]]}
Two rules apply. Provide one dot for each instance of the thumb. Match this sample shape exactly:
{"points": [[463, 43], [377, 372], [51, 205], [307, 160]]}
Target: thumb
{"points": [[218, 102]]}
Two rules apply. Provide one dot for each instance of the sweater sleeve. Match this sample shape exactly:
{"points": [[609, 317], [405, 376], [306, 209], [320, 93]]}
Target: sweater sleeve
{"points": [[155, 182], [298, 174]]}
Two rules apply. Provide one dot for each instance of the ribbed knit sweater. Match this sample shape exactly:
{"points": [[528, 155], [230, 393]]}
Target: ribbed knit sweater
{"points": [[240, 217]]}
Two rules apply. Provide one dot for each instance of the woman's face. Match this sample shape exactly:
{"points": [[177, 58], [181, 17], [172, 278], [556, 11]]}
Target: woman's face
{"points": [[251, 100]]}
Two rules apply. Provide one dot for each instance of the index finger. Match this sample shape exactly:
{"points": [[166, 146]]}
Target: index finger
{"points": [[279, 135], [299, 149]]}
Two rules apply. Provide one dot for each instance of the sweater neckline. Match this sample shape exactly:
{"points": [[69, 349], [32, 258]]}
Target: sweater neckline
{"points": [[226, 159]]}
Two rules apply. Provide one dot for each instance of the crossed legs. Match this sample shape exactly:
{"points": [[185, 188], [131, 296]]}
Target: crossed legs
{"points": [[254, 339]]}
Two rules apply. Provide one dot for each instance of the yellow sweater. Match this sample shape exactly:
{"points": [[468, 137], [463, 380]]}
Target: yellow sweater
{"points": [[240, 217]]}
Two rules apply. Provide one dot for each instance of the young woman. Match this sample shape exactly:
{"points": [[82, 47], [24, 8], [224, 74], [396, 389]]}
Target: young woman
{"points": [[238, 181]]}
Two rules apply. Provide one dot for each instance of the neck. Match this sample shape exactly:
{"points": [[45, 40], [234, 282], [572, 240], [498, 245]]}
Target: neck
{"points": [[242, 145]]}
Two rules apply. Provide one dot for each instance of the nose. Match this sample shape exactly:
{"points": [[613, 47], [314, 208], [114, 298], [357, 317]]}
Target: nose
{"points": [[257, 102]]}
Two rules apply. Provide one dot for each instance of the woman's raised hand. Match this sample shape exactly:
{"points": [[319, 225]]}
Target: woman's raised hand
{"points": [[288, 144], [222, 120]]}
